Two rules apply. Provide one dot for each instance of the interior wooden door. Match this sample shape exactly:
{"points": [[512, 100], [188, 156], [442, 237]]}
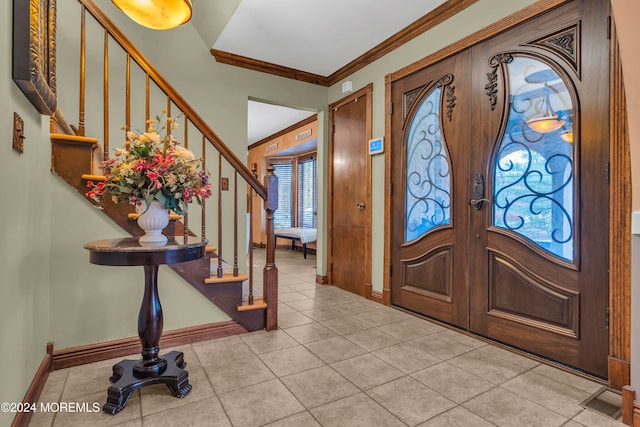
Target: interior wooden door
{"points": [[430, 135], [529, 198], [350, 192]]}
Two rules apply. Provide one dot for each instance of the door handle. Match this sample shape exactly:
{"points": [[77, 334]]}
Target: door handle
{"points": [[360, 206], [477, 193]]}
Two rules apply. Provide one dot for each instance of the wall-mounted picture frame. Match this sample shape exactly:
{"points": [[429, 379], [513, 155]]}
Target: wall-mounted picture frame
{"points": [[34, 52]]}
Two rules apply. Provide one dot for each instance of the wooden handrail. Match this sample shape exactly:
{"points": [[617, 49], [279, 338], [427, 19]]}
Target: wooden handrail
{"points": [[177, 99]]}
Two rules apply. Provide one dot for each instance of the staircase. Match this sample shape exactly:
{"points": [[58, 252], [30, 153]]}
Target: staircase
{"points": [[75, 158]]}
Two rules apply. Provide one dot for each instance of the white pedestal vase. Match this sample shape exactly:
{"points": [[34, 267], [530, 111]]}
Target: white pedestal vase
{"points": [[153, 221]]}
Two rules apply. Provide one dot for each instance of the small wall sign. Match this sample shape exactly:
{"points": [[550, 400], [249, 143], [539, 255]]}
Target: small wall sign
{"points": [[376, 146]]}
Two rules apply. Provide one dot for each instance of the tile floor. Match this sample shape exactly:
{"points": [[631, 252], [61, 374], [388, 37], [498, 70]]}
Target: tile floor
{"points": [[338, 360]]}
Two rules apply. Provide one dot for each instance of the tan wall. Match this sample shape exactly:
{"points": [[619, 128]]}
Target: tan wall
{"points": [[259, 156]]}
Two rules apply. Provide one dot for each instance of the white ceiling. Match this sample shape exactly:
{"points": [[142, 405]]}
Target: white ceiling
{"points": [[266, 119], [307, 35], [316, 37]]}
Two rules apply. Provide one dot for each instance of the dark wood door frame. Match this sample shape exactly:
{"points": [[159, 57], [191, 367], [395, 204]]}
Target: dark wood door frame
{"points": [[620, 186], [367, 91]]}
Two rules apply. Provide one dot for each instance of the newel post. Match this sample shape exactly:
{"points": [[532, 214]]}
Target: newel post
{"points": [[270, 274]]}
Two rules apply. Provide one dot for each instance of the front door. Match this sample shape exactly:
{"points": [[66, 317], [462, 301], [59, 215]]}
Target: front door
{"points": [[501, 153]]}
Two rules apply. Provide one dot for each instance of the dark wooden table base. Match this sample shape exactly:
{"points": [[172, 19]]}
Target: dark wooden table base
{"points": [[126, 380]]}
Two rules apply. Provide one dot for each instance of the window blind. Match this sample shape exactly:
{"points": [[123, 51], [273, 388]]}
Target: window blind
{"points": [[283, 215], [307, 193]]}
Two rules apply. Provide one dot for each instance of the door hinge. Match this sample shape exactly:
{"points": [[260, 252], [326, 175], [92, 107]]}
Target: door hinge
{"points": [[391, 188], [606, 318], [390, 269], [608, 172], [391, 109], [609, 27]]}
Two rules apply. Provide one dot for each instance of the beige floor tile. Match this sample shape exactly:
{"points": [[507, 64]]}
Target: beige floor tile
{"points": [[335, 349], [367, 371], [289, 320], [452, 382], [204, 413], [318, 386], [323, 313], [351, 307], [372, 339], [284, 308], [589, 418], [484, 365], [131, 412], [441, 346], [263, 342], [238, 374], [410, 400], [563, 376], [292, 296], [406, 358], [221, 351], [306, 304], [157, 398], [345, 325], [260, 404], [303, 419], [411, 329], [509, 356], [503, 408], [545, 391], [310, 332], [291, 360], [89, 379], [377, 317], [457, 417], [355, 411]]}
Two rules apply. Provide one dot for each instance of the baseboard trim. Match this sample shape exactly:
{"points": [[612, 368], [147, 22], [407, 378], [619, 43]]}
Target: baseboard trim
{"points": [[377, 296], [628, 399], [81, 355], [322, 280], [35, 389]]}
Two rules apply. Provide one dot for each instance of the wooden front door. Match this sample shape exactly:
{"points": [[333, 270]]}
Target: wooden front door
{"points": [[501, 153], [350, 192]]}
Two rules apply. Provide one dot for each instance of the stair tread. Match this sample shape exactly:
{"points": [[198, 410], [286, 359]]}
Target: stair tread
{"points": [[73, 138], [226, 278], [90, 177], [258, 304]]}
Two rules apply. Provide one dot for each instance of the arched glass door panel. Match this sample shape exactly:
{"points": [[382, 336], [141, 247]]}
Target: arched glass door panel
{"points": [[533, 185], [428, 177]]}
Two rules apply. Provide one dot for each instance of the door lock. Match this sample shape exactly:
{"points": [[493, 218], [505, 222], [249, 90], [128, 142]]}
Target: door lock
{"points": [[478, 192], [360, 206]]}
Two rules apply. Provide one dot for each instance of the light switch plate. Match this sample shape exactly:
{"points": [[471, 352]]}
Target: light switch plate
{"points": [[635, 222]]}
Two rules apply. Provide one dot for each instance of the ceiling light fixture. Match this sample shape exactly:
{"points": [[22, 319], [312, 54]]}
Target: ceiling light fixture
{"points": [[156, 14], [549, 121], [567, 135]]}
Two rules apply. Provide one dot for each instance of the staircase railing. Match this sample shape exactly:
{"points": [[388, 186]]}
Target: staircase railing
{"points": [[153, 82]]}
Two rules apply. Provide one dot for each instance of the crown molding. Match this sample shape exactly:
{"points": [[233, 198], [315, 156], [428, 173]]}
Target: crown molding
{"points": [[428, 21]]}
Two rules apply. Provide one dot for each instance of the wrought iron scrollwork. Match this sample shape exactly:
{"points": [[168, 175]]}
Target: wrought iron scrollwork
{"points": [[428, 180], [533, 185]]}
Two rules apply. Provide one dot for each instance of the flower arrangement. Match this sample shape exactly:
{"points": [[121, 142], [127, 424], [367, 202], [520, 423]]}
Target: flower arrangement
{"points": [[150, 167]]}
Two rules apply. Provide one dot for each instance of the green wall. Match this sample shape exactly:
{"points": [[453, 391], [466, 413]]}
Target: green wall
{"points": [[25, 231]]}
